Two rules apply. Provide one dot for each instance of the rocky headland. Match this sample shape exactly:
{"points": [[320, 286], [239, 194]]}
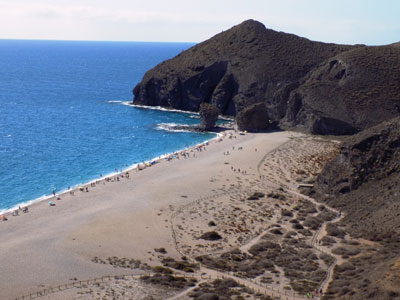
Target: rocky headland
{"points": [[273, 79], [319, 87]]}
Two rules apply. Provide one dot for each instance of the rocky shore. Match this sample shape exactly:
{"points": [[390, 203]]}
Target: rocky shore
{"points": [[317, 87]]}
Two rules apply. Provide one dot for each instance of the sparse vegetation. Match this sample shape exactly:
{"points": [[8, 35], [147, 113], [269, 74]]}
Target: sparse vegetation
{"points": [[168, 280], [183, 265], [256, 196], [211, 236]]}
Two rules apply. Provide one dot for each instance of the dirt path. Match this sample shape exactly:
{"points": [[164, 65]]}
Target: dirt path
{"points": [[185, 292], [255, 285], [319, 234], [280, 176]]}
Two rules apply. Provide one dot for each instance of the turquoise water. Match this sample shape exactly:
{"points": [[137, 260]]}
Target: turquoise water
{"points": [[62, 122]]}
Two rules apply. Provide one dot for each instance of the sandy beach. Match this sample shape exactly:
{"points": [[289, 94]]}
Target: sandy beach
{"points": [[168, 205], [126, 218]]}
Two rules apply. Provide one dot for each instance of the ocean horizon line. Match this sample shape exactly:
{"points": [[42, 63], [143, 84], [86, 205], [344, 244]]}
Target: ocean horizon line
{"points": [[97, 41]]}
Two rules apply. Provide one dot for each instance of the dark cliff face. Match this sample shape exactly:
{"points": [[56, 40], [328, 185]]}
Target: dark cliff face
{"points": [[364, 181], [350, 92], [239, 67], [324, 88]]}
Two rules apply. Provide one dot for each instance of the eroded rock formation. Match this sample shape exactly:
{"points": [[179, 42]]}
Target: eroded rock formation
{"points": [[322, 88]]}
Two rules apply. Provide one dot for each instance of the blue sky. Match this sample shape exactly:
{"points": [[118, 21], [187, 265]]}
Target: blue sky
{"points": [[351, 21]]}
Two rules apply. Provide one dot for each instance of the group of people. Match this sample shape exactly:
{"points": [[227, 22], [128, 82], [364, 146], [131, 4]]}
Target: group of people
{"points": [[186, 153], [15, 213], [244, 172]]}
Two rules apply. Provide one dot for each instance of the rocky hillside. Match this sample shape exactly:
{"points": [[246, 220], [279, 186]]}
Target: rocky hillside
{"points": [[324, 88], [363, 181], [352, 91]]}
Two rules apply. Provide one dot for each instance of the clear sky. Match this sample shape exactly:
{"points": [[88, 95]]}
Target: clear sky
{"points": [[371, 22]]}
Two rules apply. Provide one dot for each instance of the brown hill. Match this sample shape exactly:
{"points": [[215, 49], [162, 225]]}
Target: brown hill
{"points": [[352, 91], [324, 88], [363, 181], [242, 66]]}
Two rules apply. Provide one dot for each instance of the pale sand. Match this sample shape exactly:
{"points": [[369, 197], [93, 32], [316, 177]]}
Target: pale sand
{"points": [[129, 218]]}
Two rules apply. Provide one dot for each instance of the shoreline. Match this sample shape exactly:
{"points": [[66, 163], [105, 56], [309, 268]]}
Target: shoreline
{"points": [[129, 103], [8, 211], [126, 218]]}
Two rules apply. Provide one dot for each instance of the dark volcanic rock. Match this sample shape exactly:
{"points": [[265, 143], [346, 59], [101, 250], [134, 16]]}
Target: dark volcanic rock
{"points": [[253, 118], [363, 181], [208, 116], [352, 91], [322, 88], [244, 65]]}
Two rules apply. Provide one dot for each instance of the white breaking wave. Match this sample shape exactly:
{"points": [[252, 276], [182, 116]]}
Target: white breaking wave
{"points": [[115, 101], [129, 103], [193, 114], [171, 127]]}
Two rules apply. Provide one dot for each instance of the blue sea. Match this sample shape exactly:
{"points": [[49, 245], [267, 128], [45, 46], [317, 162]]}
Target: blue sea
{"points": [[62, 117]]}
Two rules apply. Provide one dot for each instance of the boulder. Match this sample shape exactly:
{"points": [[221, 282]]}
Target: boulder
{"points": [[208, 116], [253, 118]]}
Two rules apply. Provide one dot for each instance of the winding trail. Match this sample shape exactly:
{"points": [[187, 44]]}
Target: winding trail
{"points": [[254, 284], [205, 273], [185, 292], [319, 234]]}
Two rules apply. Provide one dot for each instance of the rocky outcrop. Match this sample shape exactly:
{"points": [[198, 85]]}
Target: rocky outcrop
{"points": [[363, 181], [253, 118], [239, 67], [322, 88], [350, 92], [208, 116]]}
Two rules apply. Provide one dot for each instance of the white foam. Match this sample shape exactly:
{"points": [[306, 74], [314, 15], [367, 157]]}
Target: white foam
{"points": [[170, 127], [115, 101], [193, 113], [129, 168]]}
